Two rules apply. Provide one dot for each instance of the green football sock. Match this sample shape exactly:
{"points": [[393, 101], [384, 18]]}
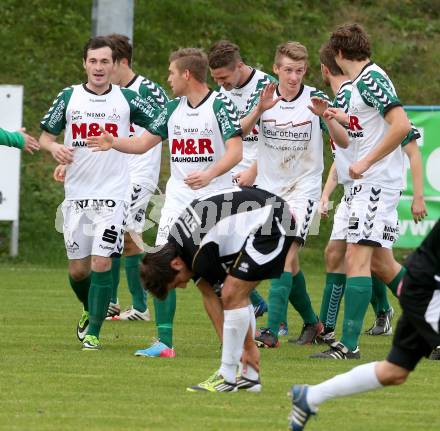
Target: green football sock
{"points": [[300, 299], [116, 266], [164, 312], [81, 289], [99, 298], [256, 298], [278, 296], [331, 299], [357, 298], [394, 284], [379, 297], [138, 294]]}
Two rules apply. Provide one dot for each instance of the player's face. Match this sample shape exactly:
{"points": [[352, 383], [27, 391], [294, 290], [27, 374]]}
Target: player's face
{"points": [[177, 80], [182, 277], [227, 77], [290, 73], [99, 67], [324, 74]]}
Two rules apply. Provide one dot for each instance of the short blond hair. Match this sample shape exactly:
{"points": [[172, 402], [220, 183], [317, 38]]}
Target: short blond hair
{"points": [[293, 50], [193, 59]]}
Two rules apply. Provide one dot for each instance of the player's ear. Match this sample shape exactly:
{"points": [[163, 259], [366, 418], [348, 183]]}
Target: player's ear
{"points": [[275, 68], [177, 263], [84, 64]]}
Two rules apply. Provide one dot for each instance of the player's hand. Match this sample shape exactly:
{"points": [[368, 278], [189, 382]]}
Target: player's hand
{"points": [[250, 356], [319, 106], [418, 209], [103, 142], [62, 154], [356, 169], [336, 114], [323, 206], [266, 97], [245, 178], [59, 174], [197, 180], [30, 143]]}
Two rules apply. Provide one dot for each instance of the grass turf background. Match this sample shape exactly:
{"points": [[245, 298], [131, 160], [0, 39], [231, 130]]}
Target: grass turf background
{"points": [[48, 384]]}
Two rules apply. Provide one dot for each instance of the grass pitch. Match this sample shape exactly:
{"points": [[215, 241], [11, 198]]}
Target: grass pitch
{"points": [[48, 383]]}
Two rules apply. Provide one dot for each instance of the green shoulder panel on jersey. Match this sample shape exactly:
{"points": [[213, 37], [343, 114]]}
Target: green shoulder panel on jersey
{"points": [[54, 121], [227, 116], [377, 91], [321, 95], [153, 93], [412, 135], [142, 112], [159, 126], [255, 96], [342, 99]]}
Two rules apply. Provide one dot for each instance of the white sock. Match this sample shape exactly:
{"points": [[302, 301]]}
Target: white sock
{"points": [[360, 379], [235, 327], [251, 373]]}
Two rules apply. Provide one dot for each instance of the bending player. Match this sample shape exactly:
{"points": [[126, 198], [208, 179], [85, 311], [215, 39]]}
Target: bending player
{"points": [[226, 243]]}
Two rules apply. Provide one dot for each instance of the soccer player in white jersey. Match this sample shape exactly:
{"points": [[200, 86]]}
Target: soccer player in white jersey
{"points": [[143, 170], [240, 83], [290, 164], [204, 135], [377, 126], [335, 251], [95, 204]]}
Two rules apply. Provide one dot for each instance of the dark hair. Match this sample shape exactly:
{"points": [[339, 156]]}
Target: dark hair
{"points": [[99, 42], [123, 48], [224, 54], [352, 41], [156, 272], [192, 59], [327, 58]]}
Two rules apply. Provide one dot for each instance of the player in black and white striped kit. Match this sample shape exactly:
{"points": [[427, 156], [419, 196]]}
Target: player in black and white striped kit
{"points": [[226, 242]]}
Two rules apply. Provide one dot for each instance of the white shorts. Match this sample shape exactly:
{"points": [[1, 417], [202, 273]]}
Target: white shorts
{"points": [[94, 227], [340, 219], [139, 198], [373, 216], [304, 211]]}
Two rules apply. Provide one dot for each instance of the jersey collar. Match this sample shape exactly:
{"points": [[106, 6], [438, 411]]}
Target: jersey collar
{"points": [[296, 97], [363, 70], [96, 94], [247, 80], [201, 102], [132, 81]]}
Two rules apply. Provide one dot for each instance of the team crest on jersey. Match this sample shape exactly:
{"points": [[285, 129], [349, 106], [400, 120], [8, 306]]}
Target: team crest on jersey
{"points": [[207, 131]]}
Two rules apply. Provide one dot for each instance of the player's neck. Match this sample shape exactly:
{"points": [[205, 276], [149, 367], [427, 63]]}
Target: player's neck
{"points": [[127, 77], [289, 93], [353, 68], [101, 89], [245, 74], [196, 93], [336, 82]]}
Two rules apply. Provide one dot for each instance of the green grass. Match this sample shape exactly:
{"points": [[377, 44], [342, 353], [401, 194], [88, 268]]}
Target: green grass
{"points": [[48, 383]]}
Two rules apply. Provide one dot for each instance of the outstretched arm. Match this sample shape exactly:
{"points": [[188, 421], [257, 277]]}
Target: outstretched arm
{"points": [[330, 185], [213, 306], [232, 156], [59, 152], [418, 206], [134, 145]]}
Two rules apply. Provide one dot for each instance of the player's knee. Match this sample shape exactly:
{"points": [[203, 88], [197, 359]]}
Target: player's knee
{"points": [[101, 264], [334, 258], [390, 374], [79, 274]]}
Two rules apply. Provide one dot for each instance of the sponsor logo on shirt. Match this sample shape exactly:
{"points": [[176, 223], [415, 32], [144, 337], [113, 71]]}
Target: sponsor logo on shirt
{"points": [[114, 116], [354, 128], [287, 131]]}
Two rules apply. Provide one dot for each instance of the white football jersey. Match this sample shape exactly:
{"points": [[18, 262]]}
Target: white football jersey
{"points": [[241, 96], [144, 168], [290, 148], [372, 97], [197, 136], [80, 113]]}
